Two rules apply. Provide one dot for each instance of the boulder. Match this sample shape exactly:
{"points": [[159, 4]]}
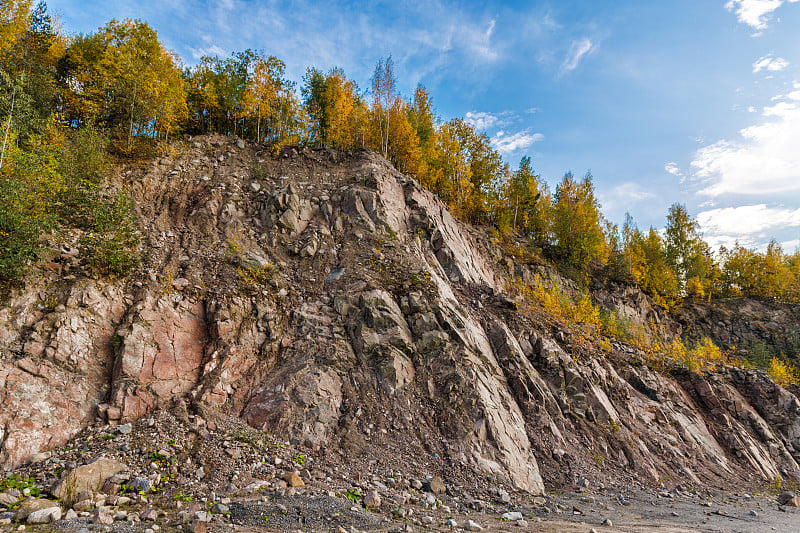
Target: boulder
{"points": [[372, 500], [31, 505], [87, 477], [45, 516]]}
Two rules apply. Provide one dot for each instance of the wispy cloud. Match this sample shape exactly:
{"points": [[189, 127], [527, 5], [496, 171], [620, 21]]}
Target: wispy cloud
{"points": [[577, 50], [212, 50], [755, 13], [508, 144], [483, 120], [675, 170], [623, 195], [765, 160], [769, 63]]}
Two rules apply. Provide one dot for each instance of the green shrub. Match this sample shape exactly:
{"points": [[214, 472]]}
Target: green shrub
{"points": [[112, 242], [29, 183]]}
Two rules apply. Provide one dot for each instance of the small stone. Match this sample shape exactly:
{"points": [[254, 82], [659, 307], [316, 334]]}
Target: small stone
{"points": [[32, 505], [142, 484], [538, 500], [372, 500], [789, 499], [607, 522], [293, 479], [473, 526], [83, 505], [522, 523], [7, 500], [503, 496], [427, 520], [70, 515], [125, 429], [148, 515], [44, 516], [512, 516], [451, 523], [41, 456], [255, 486], [102, 516], [753, 513], [220, 508], [434, 485]]}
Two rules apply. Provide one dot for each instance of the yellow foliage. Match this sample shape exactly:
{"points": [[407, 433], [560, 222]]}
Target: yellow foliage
{"points": [[783, 373], [255, 279], [702, 358]]}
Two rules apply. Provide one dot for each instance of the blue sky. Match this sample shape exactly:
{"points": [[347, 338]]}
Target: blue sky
{"points": [[688, 101]]}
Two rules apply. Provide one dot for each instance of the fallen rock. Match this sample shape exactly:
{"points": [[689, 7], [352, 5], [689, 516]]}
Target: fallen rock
{"points": [[789, 499], [87, 477], [45, 516], [434, 485], [293, 479], [7, 500], [372, 500], [31, 505], [102, 515]]}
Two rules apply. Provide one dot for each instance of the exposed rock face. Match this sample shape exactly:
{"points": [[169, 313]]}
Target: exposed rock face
{"points": [[742, 323], [328, 299]]}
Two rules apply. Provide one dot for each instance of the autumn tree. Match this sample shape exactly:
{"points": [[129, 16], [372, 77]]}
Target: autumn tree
{"points": [[14, 15], [28, 54], [338, 113], [686, 252], [123, 78], [455, 183], [577, 225], [424, 123], [526, 204], [384, 94], [646, 259]]}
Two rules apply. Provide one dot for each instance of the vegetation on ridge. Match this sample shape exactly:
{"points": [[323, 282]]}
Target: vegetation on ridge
{"points": [[121, 90]]}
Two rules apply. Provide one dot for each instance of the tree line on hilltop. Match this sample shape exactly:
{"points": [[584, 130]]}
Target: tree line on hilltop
{"points": [[71, 104]]}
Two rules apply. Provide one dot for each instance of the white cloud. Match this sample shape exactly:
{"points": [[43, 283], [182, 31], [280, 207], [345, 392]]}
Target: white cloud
{"points": [[747, 219], [765, 160], [621, 198], [748, 225], [482, 120], [632, 192], [577, 50], [210, 51], [675, 170], [507, 144], [791, 246], [754, 13], [769, 63]]}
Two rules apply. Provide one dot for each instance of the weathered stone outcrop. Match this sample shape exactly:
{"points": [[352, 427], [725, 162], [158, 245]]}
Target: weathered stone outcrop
{"points": [[329, 299]]}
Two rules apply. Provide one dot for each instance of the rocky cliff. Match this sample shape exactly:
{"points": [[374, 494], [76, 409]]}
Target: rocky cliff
{"points": [[332, 301]]}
